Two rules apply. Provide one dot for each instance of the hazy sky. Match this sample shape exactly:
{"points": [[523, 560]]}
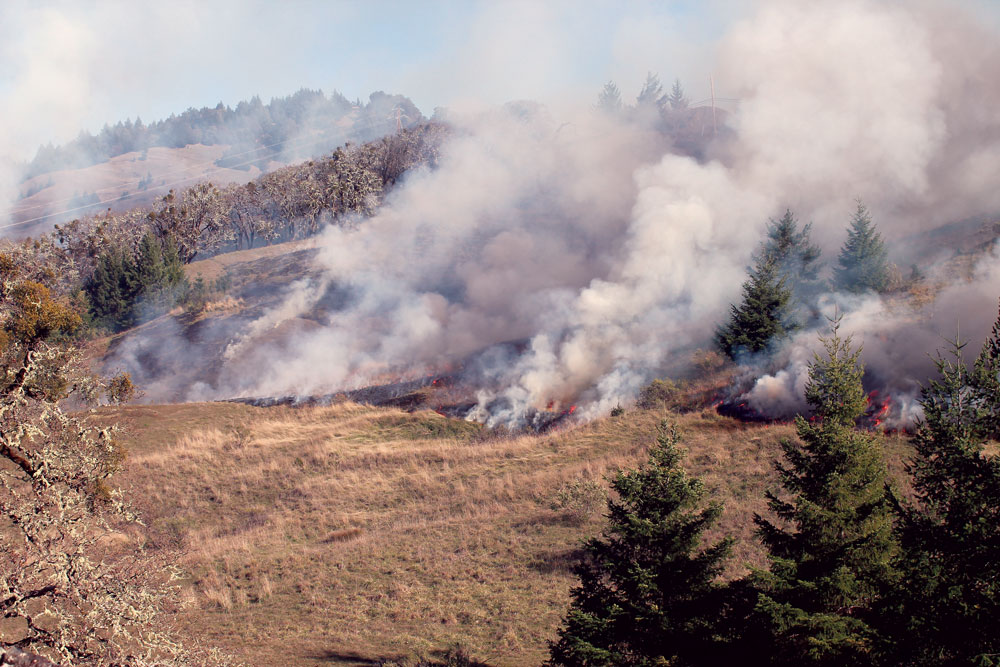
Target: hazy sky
{"points": [[67, 66]]}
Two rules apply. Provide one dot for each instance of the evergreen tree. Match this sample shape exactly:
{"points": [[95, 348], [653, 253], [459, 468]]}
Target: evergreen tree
{"points": [[863, 263], [651, 96], [797, 260], [125, 291], [678, 102], [609, 99], [830, 552], [112, 289], [796, 257], [149, 267], [948, 610], [761, 318], [647, 593], [173, 267]]}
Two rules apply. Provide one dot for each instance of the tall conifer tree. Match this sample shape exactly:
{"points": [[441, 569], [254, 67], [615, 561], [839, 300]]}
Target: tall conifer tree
{"points": [[830, 551], [948, 610], [647, 593], [149, 267], [790, 248], [610, 98], [863, 263], [678, 101], [761, 318]]}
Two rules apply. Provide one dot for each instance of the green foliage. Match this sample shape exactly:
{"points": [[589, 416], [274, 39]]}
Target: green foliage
{"points": [[659, 394], [780, 285], [35, 316], [125, 290], [831, 549], [948, 609], [707, 361], [34, 323], [111, 290], [196, 299], [120, 389], [863, 263], [199, 294], [790, 249], [762, 317], [647, 593]]}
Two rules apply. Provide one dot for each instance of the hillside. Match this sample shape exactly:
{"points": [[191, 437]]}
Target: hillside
{"points": [[151, 352], [372, 404], [260, 280], [350, 534], [124, 181], [130, 164]]}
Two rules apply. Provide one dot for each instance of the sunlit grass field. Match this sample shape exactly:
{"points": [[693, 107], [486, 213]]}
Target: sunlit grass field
{"points": [[351, 535]]}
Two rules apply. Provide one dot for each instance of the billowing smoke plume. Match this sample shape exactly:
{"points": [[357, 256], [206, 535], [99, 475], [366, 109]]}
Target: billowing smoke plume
{"points": [[605, 253], [900, 344]]}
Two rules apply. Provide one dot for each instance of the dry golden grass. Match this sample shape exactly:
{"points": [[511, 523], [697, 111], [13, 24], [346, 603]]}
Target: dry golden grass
{"points": [[347, 534], [215, 267]]}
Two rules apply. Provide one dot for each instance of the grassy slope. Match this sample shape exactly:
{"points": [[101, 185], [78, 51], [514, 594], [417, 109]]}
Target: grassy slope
{"points": [[215, 267], [347, 534], [176, 168]]}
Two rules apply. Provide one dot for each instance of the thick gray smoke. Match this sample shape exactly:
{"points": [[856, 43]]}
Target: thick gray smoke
{"points": [[607, 253]]}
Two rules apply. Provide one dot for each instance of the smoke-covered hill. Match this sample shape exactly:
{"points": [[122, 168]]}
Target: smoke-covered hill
{"points": [[613, 254], [130, 163], [576, 254]]}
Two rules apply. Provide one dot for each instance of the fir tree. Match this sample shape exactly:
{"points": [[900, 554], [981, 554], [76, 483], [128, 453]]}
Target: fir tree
{"points": [[761, 318], [125, 291], [830, 552], [651, 96], [948, 610], [678, 102], [112, 289], [149, 268], [796, 257], [609, 99], [863, 265], [647, 593], [173, 267]]}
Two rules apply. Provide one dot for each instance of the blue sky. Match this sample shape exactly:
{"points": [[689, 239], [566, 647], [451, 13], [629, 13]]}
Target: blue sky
{"points": [[67, 66]]}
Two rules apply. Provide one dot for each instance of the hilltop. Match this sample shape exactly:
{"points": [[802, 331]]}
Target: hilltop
{"points": [[131, 164]]}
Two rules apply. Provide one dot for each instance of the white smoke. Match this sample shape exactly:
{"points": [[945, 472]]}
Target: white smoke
{"points": [[899, 343], [608, 253]]}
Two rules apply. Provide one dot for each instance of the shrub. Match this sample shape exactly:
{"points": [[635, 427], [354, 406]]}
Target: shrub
{"points": [[579, 499], [659, 394], [707, 361]]}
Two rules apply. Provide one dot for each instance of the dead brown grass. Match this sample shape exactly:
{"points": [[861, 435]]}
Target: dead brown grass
{"points": [[348, 533], [215, 267]]}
